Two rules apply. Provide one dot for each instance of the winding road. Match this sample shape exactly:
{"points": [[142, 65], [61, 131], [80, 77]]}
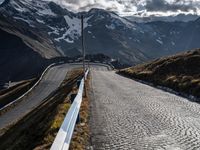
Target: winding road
{"points": [[49, 83], [125, 114], [129, 115]]}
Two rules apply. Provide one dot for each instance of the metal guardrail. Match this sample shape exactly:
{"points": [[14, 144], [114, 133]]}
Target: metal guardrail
{"points": [[9, 104], [65, 132]]}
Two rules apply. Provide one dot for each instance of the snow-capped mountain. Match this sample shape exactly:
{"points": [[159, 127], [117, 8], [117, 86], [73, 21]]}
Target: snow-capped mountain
{"points": [[52, 31]]}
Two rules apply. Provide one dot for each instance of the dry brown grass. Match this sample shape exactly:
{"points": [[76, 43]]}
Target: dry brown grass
{"points": [[38, 128], [80, 139], [54, 126], [8, 95], [179, 72]]}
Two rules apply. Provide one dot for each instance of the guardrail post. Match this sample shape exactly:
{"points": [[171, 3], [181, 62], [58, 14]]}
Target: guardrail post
{"points": [[72, 98], [78, 118], [78, 83]]}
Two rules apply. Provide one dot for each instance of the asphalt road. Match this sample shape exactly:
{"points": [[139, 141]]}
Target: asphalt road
{"points": [[129, 115], [51, 81]]}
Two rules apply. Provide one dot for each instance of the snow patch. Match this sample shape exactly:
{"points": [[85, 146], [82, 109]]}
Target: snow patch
{"points": [[159, 41], [74, 30], [46, 12], [173, 43], [136, 40], [17, 7], [69, 41], [40, 21], [24, 20], [112, 27], [55, 31], [142, 32], [1, 1]]}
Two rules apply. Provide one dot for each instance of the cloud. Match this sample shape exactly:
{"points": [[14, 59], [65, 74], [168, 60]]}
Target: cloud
{"points": [[118, 6], [130, 7], [163, 5]]}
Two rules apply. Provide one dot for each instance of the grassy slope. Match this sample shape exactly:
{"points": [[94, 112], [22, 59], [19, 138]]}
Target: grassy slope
{"points": [[179, 72]]}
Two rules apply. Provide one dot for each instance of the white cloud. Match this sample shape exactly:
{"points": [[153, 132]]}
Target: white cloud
{"points": [[119, 6], [135, 7]]}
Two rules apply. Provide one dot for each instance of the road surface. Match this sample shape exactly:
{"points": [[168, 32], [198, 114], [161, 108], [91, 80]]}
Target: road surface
{"points": [[51, 81], [129, 115]]}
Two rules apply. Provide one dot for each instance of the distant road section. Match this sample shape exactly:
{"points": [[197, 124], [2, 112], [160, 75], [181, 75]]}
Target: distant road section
{"points": [[129, 115], [50, 82]]}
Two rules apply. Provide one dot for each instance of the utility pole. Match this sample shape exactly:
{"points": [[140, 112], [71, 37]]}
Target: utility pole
{"points": [[82, 42]]}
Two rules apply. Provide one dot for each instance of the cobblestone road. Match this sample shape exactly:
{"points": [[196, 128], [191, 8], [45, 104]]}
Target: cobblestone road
{"points": [[129, 115]]}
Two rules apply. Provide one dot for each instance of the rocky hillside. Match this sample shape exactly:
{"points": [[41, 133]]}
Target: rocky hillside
{"points": [[43, 30], [179, 72], [25, 52], [53, 30], [34, 37]]}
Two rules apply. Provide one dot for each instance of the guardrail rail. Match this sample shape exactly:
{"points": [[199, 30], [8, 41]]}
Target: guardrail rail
{"points": [[63, 138]]}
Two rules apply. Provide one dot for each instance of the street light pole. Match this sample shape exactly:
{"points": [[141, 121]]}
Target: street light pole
{"points": [[82, 42]]}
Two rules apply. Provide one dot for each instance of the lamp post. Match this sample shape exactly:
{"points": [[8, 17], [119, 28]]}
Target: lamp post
{"points": [[82, 43]]}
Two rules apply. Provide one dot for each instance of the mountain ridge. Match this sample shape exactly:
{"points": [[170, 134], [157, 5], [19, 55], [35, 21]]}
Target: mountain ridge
{"points": [[57, 31]]}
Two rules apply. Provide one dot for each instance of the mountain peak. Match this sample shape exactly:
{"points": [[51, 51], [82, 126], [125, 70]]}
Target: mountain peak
{"points": [[97, 10]]}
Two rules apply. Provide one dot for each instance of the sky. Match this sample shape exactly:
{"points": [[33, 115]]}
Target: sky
{"points": [[136, 7]]}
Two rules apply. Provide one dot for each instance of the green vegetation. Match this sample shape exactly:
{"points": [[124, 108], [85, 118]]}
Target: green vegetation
{"points": [[179, 72]]}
